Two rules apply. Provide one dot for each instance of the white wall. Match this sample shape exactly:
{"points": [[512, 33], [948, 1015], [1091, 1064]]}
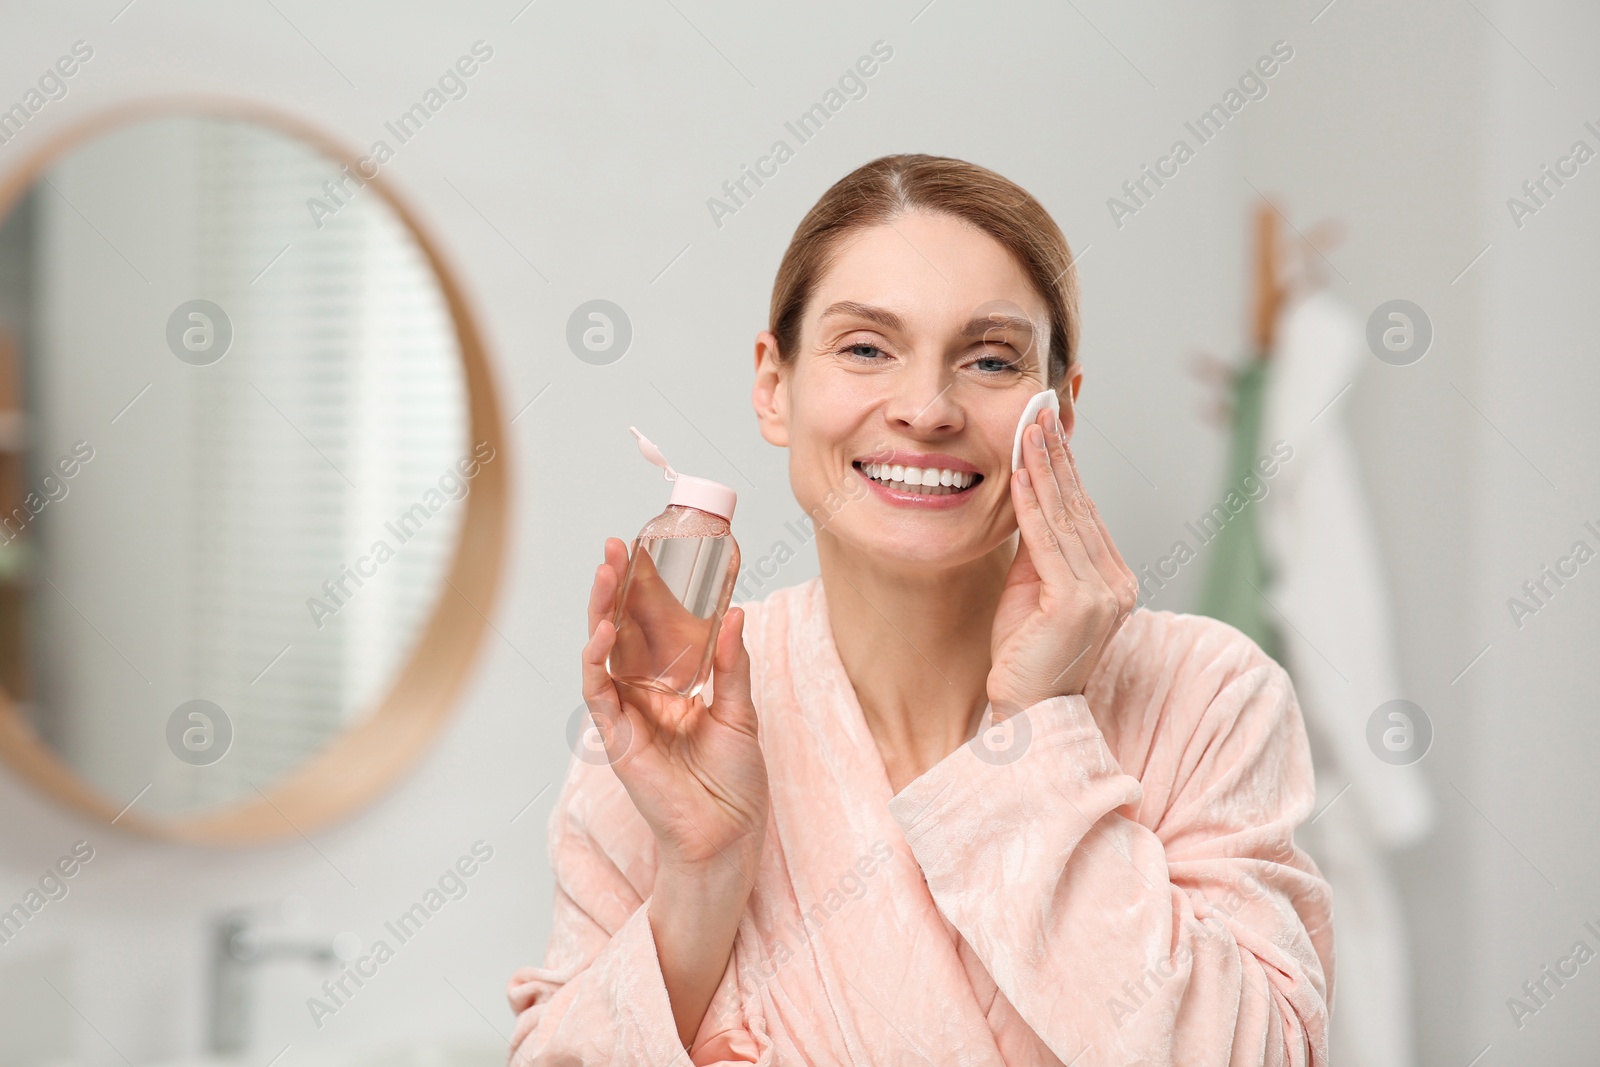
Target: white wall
{"points": [[1533, 775], [578, 167]]}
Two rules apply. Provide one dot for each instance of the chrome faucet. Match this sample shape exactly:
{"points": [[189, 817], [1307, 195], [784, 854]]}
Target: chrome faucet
{"points": [[235, 951]]}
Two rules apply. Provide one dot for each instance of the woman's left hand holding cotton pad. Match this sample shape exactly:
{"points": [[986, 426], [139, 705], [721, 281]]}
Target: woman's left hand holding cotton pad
{"points": [[1068, 590]]}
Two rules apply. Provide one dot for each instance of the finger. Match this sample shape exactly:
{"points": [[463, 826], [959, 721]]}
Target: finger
{"points": [[1118, 576], [1043, 551], [1126, 583], [1073, 494], [608, 580], [617, 557], [602, 596], [731, 699], [597, 681], [600, 692], [1115, 575], [1068, 539]]}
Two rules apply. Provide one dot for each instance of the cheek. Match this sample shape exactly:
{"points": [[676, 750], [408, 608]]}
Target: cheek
{"points": [[821, 443], [998, 429], [828, 413], [827, 388], [830, 423]]}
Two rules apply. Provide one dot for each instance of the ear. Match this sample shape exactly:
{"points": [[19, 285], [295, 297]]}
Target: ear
{"points": [[1069, 410], [770, 394]]}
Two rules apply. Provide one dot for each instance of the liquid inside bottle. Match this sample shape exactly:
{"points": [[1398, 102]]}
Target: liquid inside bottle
{"points": [[681, 572]]}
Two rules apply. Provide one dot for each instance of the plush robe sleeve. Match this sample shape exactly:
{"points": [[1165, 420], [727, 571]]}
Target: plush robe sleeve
{"points": [[600, 997], [1191, 931]]}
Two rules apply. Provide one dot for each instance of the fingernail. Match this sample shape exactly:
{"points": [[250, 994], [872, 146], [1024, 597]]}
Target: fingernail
{"points": [[1022, 476], [1036, 436]]}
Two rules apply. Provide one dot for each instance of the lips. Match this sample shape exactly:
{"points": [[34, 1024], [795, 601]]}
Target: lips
{"points": [[919, 480], [927, 481]]}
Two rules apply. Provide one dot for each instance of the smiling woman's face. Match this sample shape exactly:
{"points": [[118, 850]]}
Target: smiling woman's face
{"points": [[919, 348]]}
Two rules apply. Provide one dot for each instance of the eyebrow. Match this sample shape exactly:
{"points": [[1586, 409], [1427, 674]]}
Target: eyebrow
{"points": [[976, 328]]}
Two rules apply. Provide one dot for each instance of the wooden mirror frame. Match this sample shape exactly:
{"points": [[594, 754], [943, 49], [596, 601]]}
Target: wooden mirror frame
{"points": [[369, 757]]}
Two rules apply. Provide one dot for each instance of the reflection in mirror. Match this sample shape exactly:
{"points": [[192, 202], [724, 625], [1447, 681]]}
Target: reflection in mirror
{"points": [[234, 453]]}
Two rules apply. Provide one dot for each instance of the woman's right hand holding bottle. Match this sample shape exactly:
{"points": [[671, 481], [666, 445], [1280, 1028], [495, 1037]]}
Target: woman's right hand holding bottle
{"points": [[694, 771], [697, 775]]}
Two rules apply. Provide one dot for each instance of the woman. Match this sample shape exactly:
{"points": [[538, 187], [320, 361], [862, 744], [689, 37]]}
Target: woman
{"points": [[955, 801]]}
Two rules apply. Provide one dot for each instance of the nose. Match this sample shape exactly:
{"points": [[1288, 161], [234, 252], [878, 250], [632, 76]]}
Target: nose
{"points": [[926, 404]]}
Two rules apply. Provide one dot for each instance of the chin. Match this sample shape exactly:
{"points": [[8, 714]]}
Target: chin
{"points": [[914, 546]]}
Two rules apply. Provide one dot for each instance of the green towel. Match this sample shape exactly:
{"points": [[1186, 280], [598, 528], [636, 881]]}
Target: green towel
{"points": [[1235, 560], [16, 560]]}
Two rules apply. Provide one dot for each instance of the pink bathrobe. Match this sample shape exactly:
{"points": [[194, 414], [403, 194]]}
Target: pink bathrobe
{"points": [[1116, 883]]}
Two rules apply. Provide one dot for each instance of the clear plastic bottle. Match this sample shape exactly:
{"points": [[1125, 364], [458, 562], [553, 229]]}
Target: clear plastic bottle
{"points": [[681, 572]]}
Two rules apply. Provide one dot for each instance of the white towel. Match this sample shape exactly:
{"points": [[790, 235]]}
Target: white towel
{"points": [[1328, 581]]}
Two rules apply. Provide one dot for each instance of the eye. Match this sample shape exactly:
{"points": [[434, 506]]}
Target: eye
{"points": [[997, 364], [862, 350]]}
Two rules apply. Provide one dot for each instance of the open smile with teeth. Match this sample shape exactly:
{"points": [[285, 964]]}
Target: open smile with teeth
{"points": [[933, 481]]}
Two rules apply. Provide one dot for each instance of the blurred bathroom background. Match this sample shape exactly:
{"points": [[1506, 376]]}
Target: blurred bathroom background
{"points": [[596, 154]]}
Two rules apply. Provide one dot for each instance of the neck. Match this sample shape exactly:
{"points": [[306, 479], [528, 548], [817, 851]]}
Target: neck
{"points": [[915, 644]]}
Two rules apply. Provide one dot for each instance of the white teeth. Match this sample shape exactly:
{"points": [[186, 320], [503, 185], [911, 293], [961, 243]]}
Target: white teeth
{"points": [[936, 480]]}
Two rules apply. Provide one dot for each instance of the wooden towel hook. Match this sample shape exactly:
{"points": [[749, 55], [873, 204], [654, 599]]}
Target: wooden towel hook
{"points": [[1277, 275]]}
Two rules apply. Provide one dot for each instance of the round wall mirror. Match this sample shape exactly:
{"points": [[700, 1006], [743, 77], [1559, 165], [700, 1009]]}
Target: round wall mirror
{"points": [[252, 479]]}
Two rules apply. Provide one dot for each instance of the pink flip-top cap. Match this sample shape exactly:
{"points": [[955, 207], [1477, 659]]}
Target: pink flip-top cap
{"points": [[704, 494], [688, 491]]}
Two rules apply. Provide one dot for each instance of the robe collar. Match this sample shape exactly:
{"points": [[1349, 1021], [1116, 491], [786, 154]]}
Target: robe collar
{"points": [[895, 971]]}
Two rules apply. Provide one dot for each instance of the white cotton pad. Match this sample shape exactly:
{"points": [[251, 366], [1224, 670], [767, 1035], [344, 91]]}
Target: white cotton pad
{"points": [[1040, 401]]}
